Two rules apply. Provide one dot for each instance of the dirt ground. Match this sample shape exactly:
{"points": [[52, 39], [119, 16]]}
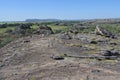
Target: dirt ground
{"points": [[29, 58]]}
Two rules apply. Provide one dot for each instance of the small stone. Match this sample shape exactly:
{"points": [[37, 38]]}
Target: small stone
{"points": [[93, 42], [95, 71], [113, 43], [57, 57], [26, 41]]}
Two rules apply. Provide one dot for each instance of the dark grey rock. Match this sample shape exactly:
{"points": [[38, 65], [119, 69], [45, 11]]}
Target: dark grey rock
{"points": [[111, 53], [79, 27], [21, 29], [2, 65], [26, 41], [65, 36], [57, 57], [113, 43], [44, 29], [95, 71], [101, 31], [93, 42]]}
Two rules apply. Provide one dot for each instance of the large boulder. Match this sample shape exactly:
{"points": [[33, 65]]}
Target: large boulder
{"points": [[101, 31], [79, 27], [44, 29], [65, 36], [24, 26], [21, 29]]}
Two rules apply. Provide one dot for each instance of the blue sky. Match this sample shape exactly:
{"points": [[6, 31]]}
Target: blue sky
{"points": [[17, 10]]}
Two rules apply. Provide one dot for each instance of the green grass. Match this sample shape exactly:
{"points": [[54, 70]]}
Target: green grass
{"points": [[87, 30], [1, 22], [112, 28], [34, 26], [2, 30], [57, 29], [5, 37]]}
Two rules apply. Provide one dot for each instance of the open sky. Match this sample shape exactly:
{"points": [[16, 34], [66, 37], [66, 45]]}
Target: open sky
{"points": [[17, 10]]}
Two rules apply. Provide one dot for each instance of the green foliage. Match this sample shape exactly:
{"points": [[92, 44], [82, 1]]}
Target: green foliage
{"points": [[3, 25], [58, 29], [87, 30], [6, 28], [2, 30], [34, 26], [8, 31], [112, 28]]}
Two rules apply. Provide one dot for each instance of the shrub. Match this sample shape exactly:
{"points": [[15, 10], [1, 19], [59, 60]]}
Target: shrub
{"points": [[3, 25], [9, 31]]}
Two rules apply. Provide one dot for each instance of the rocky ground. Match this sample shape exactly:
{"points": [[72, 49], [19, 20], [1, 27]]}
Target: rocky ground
{"points": [[31, 58]]}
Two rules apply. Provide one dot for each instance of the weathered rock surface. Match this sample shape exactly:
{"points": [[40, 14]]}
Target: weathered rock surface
{"points": [[65, 36], [79, 27], [101, 31], [21, 29], [44, 29], [32, 60]]}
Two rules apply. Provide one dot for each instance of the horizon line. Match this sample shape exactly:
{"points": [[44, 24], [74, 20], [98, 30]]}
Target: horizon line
{"points": [[57, 19]]}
